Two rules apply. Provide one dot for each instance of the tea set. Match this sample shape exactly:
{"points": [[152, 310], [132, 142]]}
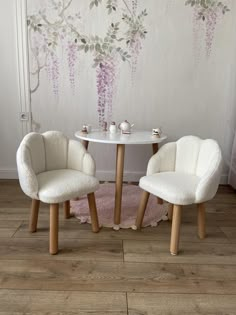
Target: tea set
{"points": [[125, 127]]}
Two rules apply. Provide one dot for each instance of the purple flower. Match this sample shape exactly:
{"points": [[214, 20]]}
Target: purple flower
{"points": [[53, 72], [106, 74], [71, 59]]}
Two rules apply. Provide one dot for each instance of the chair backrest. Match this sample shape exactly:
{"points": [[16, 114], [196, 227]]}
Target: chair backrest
{"points": [[196, 156], [45, 152]]}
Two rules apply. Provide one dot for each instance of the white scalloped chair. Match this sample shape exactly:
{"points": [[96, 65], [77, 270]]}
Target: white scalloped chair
{"points": [[54, 169], [182, 173]]}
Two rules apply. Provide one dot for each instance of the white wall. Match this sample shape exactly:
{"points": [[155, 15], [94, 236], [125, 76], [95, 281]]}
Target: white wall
{"points": [[10, 126]]}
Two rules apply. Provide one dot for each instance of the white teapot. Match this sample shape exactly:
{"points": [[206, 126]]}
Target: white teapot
{"points": [[125, 127]]}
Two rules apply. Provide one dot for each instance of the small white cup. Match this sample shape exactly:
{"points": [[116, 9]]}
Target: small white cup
{"points": [[156, 132], [88, 128], [112, 128]]}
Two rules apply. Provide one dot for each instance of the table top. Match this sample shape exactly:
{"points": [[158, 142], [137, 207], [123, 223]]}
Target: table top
{"points": [[136, 137]]}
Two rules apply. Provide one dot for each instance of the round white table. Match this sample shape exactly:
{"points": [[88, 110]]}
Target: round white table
{"points": [[136, 137]]}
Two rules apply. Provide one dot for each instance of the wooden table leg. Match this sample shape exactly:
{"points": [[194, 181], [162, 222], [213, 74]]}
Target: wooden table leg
{"points": [[154, 150], [85, 144], [119, 181]]}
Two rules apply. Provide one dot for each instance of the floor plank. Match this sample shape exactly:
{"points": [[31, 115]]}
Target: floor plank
{"points": [[181, 304], [230, 233], [62, 302], [27, 248], [73, 229], [10, 223], [9, 227], [117, 276], [6, 232], [193, 253], [116, 272]]}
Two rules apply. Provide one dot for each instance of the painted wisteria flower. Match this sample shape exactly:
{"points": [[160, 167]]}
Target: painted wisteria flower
{"points": [[134, 6], [53, 30], [112, 48], [208, 12], [53, 72], [106, 74], [135, 34], [72, 56], [49, 34]]}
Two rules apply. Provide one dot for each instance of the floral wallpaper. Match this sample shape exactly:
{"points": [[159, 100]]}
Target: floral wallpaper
{"points": [[209, 13], [58, 26], [53, 26]]}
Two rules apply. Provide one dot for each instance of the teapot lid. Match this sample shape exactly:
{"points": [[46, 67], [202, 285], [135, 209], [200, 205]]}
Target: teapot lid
{"points": [[126, 122]]}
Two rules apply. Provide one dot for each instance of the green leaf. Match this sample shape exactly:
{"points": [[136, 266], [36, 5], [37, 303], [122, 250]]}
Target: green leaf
{"points": [[81, 47]]}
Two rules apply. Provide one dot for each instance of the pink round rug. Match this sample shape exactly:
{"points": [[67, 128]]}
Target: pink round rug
{"points": [[105, 200]]}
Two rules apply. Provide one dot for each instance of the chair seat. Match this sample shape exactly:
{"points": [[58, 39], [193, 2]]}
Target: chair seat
{"points": [[65, 184], [176, 188]]}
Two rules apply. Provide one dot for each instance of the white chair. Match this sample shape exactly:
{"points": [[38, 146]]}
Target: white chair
{"points": [[182, 173], [54, 169]]}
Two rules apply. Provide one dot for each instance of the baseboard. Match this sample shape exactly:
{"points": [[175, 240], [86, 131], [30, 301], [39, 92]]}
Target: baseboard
{"points": [[8, 174], [110, 176], [224, 179], [101, 175], [135, 176]]}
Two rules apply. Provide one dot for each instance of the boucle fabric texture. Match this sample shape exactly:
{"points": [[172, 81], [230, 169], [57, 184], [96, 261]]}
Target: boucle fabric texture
{"points": [[61, 185], [184, 172], [53, 168]]}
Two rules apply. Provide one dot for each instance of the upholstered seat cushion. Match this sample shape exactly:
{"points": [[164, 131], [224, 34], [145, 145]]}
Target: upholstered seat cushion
{"points": [[65, 184], [175, 187]]}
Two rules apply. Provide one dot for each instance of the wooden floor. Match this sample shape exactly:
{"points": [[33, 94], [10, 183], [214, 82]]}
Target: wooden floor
{"points": [[116, 272]]}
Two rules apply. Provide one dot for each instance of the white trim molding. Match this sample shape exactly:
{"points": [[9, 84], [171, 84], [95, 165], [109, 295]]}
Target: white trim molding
{"points": [[135, 176], [110, 176], [23, 64], [8, 173]]}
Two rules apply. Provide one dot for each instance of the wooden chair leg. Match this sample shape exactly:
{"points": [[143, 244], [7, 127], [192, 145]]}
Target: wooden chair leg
{"points": [[175, 230], [170, 211], [66, 209], [201, 221], [53, 241], [34, 215], [93, 212], [141, 209]]}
